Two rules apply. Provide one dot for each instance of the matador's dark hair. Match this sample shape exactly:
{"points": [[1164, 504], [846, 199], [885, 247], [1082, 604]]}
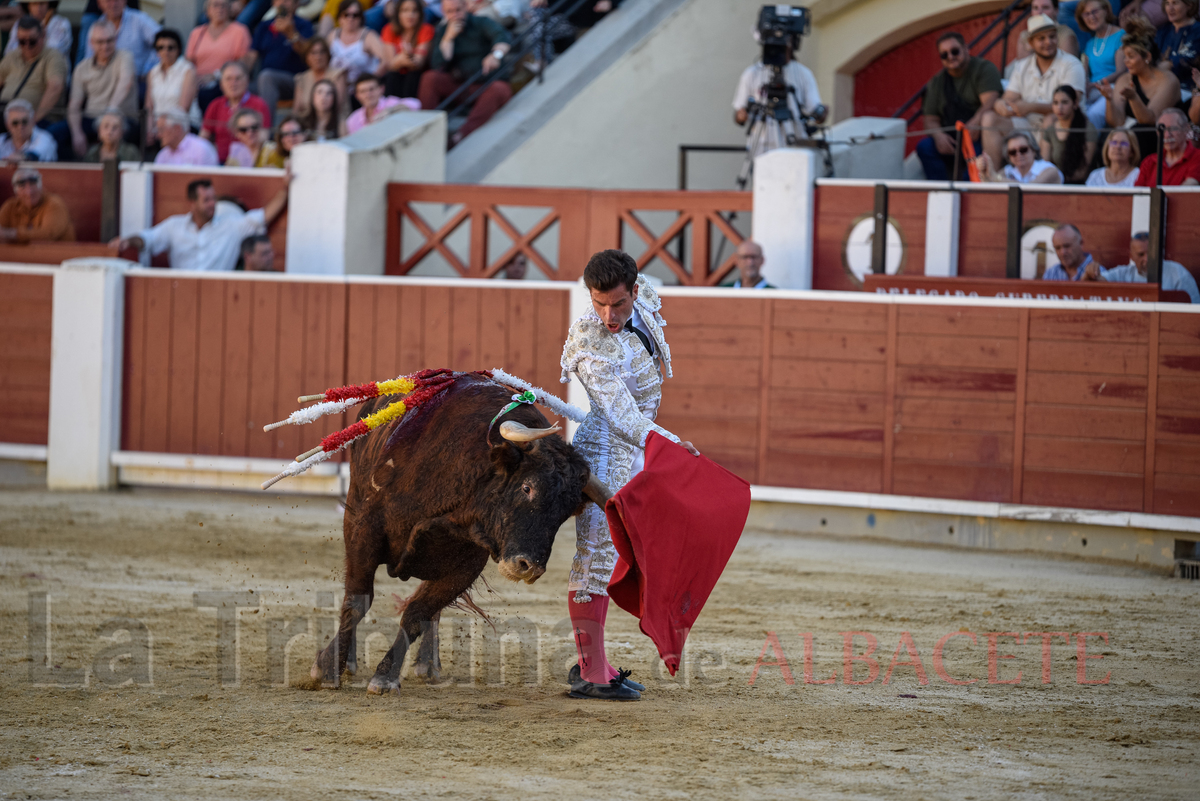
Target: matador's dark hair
{"points": [[608, 269]]}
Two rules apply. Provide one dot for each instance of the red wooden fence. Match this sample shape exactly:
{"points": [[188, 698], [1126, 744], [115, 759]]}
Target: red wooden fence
{"points": [[25, 319]]}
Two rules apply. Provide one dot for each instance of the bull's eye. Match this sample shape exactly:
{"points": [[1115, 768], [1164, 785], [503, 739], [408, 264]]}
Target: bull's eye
{"points": [[528, 490]]}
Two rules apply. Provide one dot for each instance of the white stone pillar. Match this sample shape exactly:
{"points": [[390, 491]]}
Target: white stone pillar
{"points": [[85, 373], [1139, 221], [784, 185], [941, 233], [337, 205], [137, 203]]}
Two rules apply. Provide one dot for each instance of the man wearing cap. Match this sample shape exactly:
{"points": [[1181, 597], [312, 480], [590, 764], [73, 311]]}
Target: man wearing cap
{"points": [[1031, 87], [179, 146], [32, 215]]}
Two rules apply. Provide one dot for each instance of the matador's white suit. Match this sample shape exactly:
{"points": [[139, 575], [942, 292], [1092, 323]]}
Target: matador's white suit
{"points": [[624, 386]]}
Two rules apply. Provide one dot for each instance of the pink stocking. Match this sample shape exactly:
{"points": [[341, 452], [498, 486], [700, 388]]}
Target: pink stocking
{"points": [[587, 621]]}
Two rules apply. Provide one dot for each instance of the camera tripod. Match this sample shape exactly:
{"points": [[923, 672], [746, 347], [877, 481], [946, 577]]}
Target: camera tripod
{"points": [[774, 116]]}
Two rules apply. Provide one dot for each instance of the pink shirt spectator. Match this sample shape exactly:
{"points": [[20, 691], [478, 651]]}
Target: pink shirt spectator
{"points": [[359, 118], [193, 151], [218, 114], [209, 55]]}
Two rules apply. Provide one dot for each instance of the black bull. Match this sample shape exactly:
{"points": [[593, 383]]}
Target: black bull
{"points": [[432, 499]]}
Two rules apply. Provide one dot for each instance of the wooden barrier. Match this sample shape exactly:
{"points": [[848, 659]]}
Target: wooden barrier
{"points": [[1020, 290], [55, 253], [25, 319]]}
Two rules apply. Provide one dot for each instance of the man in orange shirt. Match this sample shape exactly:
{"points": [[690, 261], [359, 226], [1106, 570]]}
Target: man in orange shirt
{"points": [[32, 215]]}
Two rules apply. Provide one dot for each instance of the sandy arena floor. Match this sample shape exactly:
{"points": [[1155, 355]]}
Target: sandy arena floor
{"points": [[504, 728]]}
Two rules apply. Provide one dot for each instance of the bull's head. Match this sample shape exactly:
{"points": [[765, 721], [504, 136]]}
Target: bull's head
{"points": [[538, 482]]}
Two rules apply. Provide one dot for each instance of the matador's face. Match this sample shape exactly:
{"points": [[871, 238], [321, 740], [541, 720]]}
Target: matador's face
{"points": [[615, 306]]}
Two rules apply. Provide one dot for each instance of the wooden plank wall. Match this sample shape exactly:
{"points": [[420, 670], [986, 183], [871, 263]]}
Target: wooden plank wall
{"points": [[25, 320]]}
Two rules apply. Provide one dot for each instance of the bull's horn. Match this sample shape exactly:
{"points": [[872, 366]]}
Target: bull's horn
{"points": [[515, 432], [595, 491]]}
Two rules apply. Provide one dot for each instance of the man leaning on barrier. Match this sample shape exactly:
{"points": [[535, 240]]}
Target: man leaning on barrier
{"points": [[32, 215], [1073, 263], [962, 91], [1175, 277], [750, 260]]}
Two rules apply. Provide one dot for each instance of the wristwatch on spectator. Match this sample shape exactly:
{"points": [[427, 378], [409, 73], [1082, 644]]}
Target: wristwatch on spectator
{"points": [[498, 54]]}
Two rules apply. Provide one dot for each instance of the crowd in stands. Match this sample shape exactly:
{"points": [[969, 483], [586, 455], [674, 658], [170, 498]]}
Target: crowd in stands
{"points": [[1081, 105]]}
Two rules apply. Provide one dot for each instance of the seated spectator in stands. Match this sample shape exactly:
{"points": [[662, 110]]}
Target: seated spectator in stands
{"points": [[205, 239], [289, 133], [963, 91], [463, 46], [234, 80], [57, 27], [317, 59], [354, 48], [32, 215], [258, 256], [1031, 87], [179, 146], [210, 47], [1073, 263], [331, 14], [1067, 40], [368, 90], [24, 140], [134, 33], [1175, 277], [34, 72], [516, 268], [110, 129], [1143, 92], [324, 119], [1068, 140], [1101, 56], [250, 147], [280, 43], [508, 13], [1181, 159], [172, 83], [101, 82], [409, 36], [1179, 42], [749, 263], [1023, 167], [1150, 9], [1121, 157]]}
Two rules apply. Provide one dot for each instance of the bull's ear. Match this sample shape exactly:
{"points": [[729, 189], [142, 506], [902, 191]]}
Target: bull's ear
{"points": [[507, 456]]}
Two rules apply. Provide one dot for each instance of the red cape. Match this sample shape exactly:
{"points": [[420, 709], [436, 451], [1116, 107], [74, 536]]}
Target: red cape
{"points": [[674, 525]]}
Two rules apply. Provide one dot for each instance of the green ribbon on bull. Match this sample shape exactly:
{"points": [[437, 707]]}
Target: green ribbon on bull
{"points": [[524, 397]]}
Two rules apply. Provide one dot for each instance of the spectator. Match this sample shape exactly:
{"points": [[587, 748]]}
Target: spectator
{"points": [[324, 119], [1068, 140], [210, 47], [179, 146], [749, 263], [280, 43], [1181, 159], [1151, 10], [31, 215], [1121, 156], [1067, 39], [33, 72], [102, 81], [1100, 54], [24, 140], [172, 82], [319, 69], [57, 28], [1143, 92], [1031, 87], [250, 147], [751, 87], [463, 46], [962, 91], [368, 90], [409, 36], [516, 268], [507, 13], [289, 133], [1194, 107], [354, 48], [110, 130], [1179, 42], [134, 33], [234, 80], [1023, 167], [551, 33], [1175, 277], [205, 239], [1073, 263], [258, 256], [331, 13]]}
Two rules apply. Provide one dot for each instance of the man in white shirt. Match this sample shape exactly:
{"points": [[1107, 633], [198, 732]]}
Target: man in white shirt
{"points": [[752, 86], [1031, 87], [1175, 277], [206, 238]]}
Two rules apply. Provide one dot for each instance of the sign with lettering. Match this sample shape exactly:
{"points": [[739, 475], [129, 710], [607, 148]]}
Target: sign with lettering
{"points": [[1015, 289]]}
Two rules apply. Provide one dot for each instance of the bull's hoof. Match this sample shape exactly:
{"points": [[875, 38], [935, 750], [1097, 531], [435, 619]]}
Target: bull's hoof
{"points": [[352, 668], [329, 681], [429, 671], [381, 686]]}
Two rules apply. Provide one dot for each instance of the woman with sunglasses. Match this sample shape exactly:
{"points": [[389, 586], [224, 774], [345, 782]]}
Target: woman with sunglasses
{"points": [[250, 147], [289, 133], [57, 28], [409, 36], [1100, 55], [1068, 138], [1121, 158], [1137, 98], [171, 83], [319, 69], [356, 49], [324, 119], [1023, 167], [210, 46]]}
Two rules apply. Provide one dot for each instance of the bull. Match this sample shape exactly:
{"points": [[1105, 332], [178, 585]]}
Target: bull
{"points": [[437, 494]]}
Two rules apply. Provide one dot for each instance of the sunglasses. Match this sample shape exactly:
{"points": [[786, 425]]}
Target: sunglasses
{"points": [[28, 42], [1018, 151], [291, 133], [952, 53], [352, 14], [162, 47], [1118, 143], [19, 122], [25, 182], [248, 128]]}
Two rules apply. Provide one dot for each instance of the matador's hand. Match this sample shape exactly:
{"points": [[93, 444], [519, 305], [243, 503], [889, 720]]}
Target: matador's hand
{"points": [[690, 448]]}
